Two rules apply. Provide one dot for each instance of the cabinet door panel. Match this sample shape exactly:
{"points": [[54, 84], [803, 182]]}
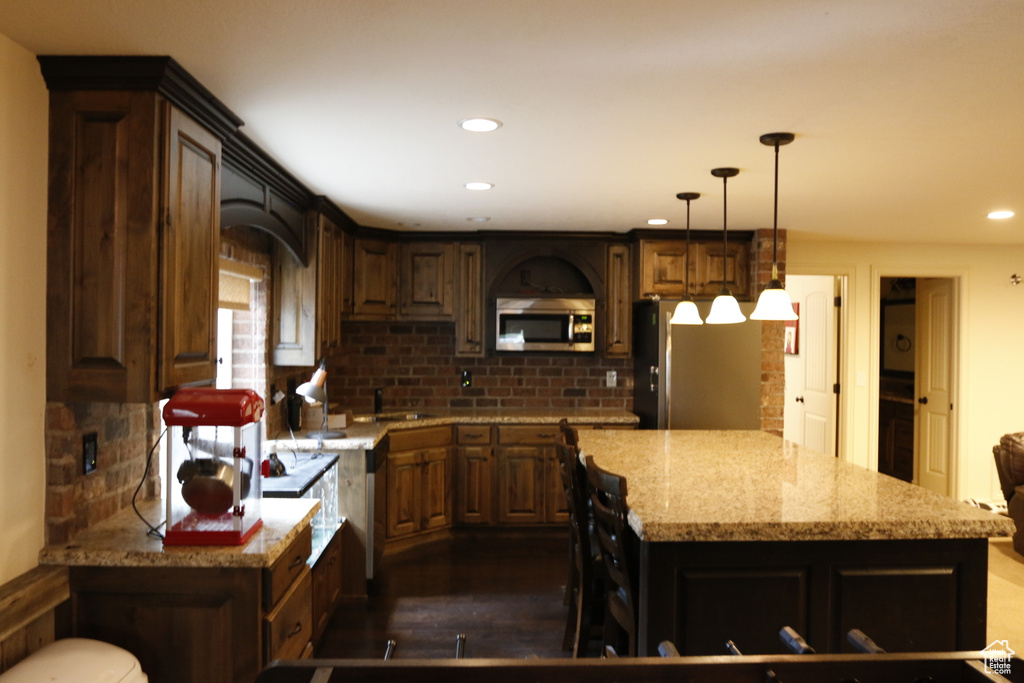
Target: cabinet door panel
{"points": [[434, 489], [374, 279], [556, 507], [191, 246], [469, 322], [403, 494], [618, 318], [709, 269], [521, 494], [474, 485], [428, 281]]}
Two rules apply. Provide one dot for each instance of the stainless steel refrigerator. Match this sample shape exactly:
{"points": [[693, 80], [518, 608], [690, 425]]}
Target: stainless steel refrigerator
{"points": [[695, 376]]}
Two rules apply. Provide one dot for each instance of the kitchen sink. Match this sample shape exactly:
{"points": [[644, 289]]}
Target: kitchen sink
{"points": [[391, 417]]}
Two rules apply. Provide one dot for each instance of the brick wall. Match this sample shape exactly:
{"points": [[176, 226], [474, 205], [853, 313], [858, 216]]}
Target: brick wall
{"points": [[773, 367], [416, 364], [124, 434]]}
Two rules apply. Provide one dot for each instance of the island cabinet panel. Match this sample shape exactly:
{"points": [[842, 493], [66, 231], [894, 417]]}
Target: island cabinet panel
{"points": [[427, 281], [133, 238], [375, 271], [327, 585], [906, 595]]}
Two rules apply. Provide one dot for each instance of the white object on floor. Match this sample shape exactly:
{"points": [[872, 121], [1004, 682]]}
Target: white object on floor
{"points": [[77, 660]]}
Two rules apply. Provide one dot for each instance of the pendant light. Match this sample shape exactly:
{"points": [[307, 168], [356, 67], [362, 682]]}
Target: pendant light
{"points": [[774, 302], [686, 312], [725, 309]]}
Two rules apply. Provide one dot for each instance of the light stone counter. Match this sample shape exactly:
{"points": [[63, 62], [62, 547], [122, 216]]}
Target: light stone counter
{"points": [[366, 435], [121, 541], [688, 485]]}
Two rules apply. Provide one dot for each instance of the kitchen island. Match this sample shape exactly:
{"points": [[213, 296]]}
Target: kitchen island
{"points": [[740, 533]]}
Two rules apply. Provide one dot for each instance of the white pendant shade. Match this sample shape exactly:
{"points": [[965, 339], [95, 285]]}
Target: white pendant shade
{"points": [[774, 304], [686, 313], [725, 310]]}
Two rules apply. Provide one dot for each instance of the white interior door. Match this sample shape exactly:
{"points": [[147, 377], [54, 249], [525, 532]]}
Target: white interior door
{"points": [[810, 410], [933, 376]]}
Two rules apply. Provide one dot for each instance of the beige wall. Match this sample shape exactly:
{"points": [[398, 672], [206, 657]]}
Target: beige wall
{"points": [[23, 141], [991, 359]]}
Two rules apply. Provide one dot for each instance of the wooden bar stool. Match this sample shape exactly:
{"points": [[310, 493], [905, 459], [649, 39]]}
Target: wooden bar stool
{"points": [[608, 503]]}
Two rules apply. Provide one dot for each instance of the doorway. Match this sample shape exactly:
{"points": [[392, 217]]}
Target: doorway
{"points": [[811, 413], [916, 382]]}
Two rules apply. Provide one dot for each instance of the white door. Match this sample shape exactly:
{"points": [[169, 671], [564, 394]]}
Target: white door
{"points": [[933, 457], [810, 409]]}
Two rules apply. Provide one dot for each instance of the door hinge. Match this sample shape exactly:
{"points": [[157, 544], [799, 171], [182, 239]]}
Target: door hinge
{"points": [[835, 388], [838, 302]]}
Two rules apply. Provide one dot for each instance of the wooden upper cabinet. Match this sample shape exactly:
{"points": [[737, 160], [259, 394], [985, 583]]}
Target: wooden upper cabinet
{"points": [[709, 263], [618, 314], [310, 301], [427, 281], [334, 284], [374, 279], [191, 254], [469, 306], [663, 265], [133, 242]]}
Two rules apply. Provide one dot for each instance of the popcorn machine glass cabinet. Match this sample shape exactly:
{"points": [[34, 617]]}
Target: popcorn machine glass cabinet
{"points": [[213, 488]]}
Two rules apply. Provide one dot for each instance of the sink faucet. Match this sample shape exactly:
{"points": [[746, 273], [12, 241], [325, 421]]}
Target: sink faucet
{"points": [[378, 400]]}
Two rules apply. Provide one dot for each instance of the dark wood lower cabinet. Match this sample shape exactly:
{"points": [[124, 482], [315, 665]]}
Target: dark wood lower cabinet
{"points": [[907, 595], [181, 624]]}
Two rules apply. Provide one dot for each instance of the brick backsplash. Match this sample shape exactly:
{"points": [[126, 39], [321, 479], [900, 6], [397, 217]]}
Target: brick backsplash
{"points": [[124, 435], [417, 366]]}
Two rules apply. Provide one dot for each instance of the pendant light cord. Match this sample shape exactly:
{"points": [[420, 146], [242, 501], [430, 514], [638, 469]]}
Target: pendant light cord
{"points": [[686, 267], [775, 213], [725, 224]]}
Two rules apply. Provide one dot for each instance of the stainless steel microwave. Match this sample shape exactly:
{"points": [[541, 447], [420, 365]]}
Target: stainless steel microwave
{"points": [[544, 324]]}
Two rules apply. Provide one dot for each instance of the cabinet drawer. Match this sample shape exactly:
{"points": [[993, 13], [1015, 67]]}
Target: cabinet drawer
{"points": [[289, 628], [526, 434], [283, 572], [473, 435], [413, 439]]}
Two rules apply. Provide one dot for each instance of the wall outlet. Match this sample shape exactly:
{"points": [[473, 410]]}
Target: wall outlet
{"points": [[467, 378], [611, 378], [89, 452]]}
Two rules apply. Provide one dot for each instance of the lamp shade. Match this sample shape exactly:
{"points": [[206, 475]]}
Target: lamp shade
{"points": [[774, 304], [314, 390], [725, 310], [686, 313]]}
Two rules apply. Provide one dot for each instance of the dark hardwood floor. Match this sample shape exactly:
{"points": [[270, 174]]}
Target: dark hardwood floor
{"points": [[503, 591]]}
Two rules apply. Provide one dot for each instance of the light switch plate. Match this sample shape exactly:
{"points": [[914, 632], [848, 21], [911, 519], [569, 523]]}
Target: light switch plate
{"points": [[611, 378]]}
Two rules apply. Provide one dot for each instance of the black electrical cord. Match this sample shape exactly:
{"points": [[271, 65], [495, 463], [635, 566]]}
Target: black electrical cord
{"points": [[153, 530]]}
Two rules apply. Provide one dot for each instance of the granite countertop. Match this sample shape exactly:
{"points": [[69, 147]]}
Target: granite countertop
{"points": [[365, 435], [695, 485], [121, 541]]}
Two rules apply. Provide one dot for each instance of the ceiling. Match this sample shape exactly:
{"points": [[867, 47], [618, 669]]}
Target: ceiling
{"points": [[908, 114]]}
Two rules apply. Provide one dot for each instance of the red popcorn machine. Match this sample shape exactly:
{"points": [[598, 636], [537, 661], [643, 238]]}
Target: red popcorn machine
{"points": [[213, 466]]}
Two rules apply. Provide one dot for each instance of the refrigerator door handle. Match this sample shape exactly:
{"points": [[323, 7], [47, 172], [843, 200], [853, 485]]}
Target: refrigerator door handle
{"points": [[654, 378]]}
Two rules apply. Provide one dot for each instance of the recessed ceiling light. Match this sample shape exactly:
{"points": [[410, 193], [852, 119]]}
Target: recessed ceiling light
{"points": [[479, 219], [480, 125], [1001, 214], [479, 186], [657, 221]]}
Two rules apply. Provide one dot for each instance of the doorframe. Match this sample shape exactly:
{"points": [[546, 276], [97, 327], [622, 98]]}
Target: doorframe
{"points": [[959, 277], [845, 375]]}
